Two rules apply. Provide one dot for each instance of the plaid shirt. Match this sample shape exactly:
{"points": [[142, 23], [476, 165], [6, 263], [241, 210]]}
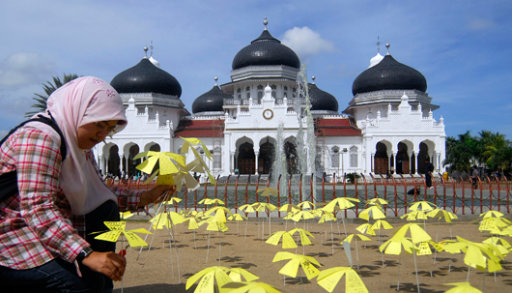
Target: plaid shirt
{"points": [[36, 226]]}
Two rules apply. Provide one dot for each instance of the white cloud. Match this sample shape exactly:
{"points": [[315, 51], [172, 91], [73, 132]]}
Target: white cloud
{"points": [[24, 68], [304, 41]]}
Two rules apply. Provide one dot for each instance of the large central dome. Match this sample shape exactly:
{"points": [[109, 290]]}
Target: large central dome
{"points": [[146, 77], [266, 50]]}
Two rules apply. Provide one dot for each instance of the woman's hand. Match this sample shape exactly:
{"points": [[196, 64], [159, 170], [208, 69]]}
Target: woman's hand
{"points": [[155, 194], [109, 263]]}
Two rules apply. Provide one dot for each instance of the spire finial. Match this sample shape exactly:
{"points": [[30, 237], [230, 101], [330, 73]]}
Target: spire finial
{"points": [[151, 49], [145, 52], [216, 79], [265, 23], [387, 48], [378, 44], [313, 78]]}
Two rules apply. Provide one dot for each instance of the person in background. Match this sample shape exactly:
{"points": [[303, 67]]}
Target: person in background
{"points": [[474, 176], [45, 226], [429, 168]]}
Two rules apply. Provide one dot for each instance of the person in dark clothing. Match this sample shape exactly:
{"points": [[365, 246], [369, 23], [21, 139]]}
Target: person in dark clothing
{"points": [[429, 168]]}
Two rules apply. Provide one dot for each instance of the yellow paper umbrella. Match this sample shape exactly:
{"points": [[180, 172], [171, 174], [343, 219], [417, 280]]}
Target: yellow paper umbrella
{"points": [[494, 225], [210, 201], [502, 244], [373, 212], [329, 278], [247, 208], [289, 208], [287, 240], [481, 255], [304, 236], [340, 203], [306, 205], [417, 233], [166, 220], [172, 201], [491, 214], [239, 275], [350, 237], [423, 205], [237, 218], [414, 216], [119, 227], [166, 162], [268, 191], [307, 263], [326, 217], [462, 287], [248, 287], [366, 228], [381, 224], [394, 246], [442, 214], [198, 165], [302, 215], [211, 277], [377, 201], [192, 223]]}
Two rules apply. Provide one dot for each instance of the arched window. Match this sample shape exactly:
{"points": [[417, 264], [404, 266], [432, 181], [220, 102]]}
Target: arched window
{"points": [[217, 158], [238, 93], [274, 88], [260, 92], [353, 157], [247, 92], [335, 157]]}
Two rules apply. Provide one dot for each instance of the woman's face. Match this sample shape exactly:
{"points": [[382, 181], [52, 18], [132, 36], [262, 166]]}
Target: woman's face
{"points": [[93, 133]]}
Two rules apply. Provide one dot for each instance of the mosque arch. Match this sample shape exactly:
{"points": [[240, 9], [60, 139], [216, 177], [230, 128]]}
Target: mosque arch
{"points": [[292, 158], [402, 158], [266, 155], [152, 146], [113, 160], [245, 156], [426, 153], [130, 151], [381, 158]]}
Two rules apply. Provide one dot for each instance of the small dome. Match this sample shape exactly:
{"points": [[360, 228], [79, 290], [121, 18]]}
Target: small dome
{"points": [[145, 77], [211, 101], [266, 50], [321, 100], [389, 74], [375, 60]]}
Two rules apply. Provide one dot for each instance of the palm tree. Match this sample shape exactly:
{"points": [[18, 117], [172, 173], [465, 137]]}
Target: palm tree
{"points": [[49, 87], [460, 152]]}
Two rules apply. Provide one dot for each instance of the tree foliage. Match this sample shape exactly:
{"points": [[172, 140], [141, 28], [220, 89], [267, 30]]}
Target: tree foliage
{"points": [[489, 150], [49, 87]]}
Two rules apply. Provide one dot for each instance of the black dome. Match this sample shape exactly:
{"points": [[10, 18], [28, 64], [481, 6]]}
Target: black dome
{"points": [[210, 101], [266, 50], [145, 78], [321, 100], [389, 74]]}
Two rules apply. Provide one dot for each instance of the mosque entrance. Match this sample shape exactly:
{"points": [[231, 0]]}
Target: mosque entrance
{"points": [[422, 156], [381, 159], [266, 158], [134, 150], [113, 161], [292, 164], [246, 159], [402, 159]]}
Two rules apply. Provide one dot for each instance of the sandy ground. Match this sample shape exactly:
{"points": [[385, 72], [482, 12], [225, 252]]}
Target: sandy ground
{"points": [[162, 269]]}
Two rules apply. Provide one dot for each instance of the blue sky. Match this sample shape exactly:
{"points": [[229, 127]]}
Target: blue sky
{"points": [[463, 48]]}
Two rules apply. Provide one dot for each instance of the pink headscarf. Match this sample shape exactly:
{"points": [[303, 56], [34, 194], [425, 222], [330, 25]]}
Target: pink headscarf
{"points": [[82, 101]]}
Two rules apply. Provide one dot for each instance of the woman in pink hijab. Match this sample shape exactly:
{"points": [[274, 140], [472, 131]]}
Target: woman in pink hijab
{"points": [[45, 225]]}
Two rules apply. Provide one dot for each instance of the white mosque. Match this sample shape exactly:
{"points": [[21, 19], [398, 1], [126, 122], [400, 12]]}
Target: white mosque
{"points": [[267, 114]]}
